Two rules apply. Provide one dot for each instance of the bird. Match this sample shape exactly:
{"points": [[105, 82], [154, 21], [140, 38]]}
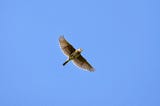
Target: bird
{"points": [[74, 55]]}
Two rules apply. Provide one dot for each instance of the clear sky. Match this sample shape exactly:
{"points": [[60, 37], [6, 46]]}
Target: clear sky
{"points": [[120, 38]]}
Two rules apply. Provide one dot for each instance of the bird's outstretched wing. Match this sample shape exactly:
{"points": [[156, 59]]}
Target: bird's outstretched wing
{"points": [[66, 47], [82, 63]]}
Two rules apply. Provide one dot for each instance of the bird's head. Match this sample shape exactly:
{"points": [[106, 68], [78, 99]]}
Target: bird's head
{"points": [[80, 50]]}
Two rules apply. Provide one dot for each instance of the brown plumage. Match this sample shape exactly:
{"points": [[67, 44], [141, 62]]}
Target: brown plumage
{"points": [[74, 55]]}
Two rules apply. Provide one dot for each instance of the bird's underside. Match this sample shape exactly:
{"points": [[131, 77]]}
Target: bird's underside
{"points": [[74, 55]]}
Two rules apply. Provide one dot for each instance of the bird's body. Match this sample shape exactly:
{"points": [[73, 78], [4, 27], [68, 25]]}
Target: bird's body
{"points": [[74, 55]]}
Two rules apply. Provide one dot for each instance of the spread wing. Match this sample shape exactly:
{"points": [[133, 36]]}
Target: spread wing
{"points": [[66, 47], [82, 63]]}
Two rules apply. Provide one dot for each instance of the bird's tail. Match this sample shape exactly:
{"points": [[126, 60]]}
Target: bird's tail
{"points": [[66, 62]]}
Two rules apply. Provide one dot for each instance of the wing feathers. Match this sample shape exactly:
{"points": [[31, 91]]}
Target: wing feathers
{"points": [[66, 47], [82, 63]]}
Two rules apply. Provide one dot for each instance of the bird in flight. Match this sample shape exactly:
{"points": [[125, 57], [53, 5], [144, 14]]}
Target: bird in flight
{"points": [[74, 55]]}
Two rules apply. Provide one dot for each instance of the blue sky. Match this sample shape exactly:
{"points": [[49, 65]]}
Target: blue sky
{"points": [[120, 38]]}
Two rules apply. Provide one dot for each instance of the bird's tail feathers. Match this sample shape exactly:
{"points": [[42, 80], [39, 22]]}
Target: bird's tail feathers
{"points": [[65, 62]]}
